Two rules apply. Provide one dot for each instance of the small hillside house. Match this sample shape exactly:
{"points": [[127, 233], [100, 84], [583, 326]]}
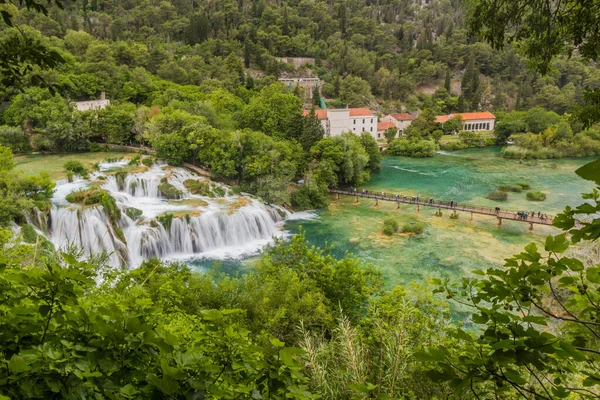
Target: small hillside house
{"points": [[475, 121], [93, 104], [400, 121]]}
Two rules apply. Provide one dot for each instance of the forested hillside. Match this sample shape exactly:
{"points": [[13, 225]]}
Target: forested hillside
{"points": [[396, 51]]}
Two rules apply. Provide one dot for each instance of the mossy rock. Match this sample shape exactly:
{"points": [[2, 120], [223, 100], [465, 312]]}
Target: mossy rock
{"points": [[120, 177], [169, 191], [133, 213], [94, 196], [190, 202], [147, 162], [536, 196], [198, 187], [524, 185], [165, 220]]}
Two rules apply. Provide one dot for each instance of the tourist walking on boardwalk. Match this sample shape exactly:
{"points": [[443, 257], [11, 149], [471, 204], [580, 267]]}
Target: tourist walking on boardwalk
{"points": [[451, 203]]}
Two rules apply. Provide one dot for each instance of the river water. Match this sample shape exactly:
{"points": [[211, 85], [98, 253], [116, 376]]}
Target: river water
{"points": [[448, 248]]}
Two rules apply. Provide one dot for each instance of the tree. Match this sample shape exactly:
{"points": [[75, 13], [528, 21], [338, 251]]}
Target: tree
{"points": [[370, 145], [312, 131], [316, 97], [537, 119], [390, 134], [355, 92], [453, 125], [470, 84], [447, 82], [273, 112], [544, 30]]}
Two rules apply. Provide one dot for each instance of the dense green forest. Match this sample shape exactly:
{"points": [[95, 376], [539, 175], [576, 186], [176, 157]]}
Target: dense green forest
{"points": [[197, 82]]}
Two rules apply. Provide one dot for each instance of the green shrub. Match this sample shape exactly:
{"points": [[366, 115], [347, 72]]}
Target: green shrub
{"points": [[95, 147], [29, 234], [413, 227], [76, 167], [165, 220], [235, 190], [438, 214], [523, 185], [147, 162], [70, 175], [413, 148], [218, 191], [96, 166], [536, 196], [169, 191], [135, 160], [497, 195], [455, 215], [390, 226], [510, 188]]}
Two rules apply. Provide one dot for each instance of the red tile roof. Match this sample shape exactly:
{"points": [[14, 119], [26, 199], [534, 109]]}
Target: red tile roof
{"points": [[321, 114], [360, 112], [382, 126], [465, 116], [403, 117]]}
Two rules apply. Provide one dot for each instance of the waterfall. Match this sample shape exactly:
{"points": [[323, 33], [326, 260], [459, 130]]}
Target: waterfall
{"points": [[201, 226]]}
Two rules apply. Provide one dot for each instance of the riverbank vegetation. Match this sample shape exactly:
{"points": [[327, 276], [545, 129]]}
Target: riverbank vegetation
{"points": [[544, 134]]}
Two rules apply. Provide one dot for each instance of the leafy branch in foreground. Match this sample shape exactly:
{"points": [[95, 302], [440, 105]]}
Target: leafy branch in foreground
{"points": [[539, 320]]}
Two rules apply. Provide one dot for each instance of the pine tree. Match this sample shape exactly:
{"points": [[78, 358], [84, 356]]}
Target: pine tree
{"points": [[316, 98], [470, 83], [447, 84], [247, 53]]}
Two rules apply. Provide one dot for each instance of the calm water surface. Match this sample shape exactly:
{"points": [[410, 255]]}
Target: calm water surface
{"points": [[448, 248]]}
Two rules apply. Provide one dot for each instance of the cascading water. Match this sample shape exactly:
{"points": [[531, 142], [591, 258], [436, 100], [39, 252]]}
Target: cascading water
{"points": [[200, 226]]}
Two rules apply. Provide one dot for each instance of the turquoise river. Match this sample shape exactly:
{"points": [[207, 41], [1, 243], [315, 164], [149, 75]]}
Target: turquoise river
{"points": [[448, 248]]}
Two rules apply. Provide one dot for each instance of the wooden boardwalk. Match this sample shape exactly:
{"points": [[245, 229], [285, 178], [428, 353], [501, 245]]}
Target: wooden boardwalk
{"points": [[446, 205]]}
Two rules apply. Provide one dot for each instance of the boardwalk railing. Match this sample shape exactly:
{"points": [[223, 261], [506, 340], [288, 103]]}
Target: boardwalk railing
{"points": [[543, 219]]}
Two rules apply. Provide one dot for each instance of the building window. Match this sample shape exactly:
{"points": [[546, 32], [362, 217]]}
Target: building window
{"points": [[354, 122], [487, 126], [371, 129], [371, 120], [363, 129], [379, 135], [363, 120]]}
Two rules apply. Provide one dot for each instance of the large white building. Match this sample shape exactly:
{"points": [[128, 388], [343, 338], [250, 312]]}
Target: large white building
{"points": [[355, 120], [475, 121]]}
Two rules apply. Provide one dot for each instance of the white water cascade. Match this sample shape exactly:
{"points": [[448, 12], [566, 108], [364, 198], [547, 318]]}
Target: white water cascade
{"points": [[201, 227]]}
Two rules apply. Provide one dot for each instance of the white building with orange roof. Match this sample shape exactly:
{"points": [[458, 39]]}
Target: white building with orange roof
{"points": [[400, 120], [355, 120], [475, 121], [384, 126]]}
